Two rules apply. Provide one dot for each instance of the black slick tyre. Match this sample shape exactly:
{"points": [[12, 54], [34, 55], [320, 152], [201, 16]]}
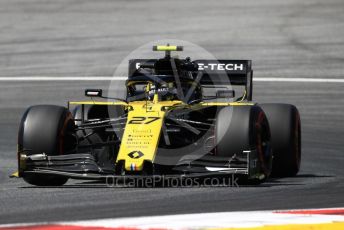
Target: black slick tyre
{"points": [[285, 125], [46, 129], [241, 128]]}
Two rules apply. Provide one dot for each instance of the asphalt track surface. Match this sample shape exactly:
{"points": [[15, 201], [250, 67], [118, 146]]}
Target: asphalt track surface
{"points": [[89, 38]]}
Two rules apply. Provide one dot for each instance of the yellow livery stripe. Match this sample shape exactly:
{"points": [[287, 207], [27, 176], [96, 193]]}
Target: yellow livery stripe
{"points": [[226, 103], [97, 103]]}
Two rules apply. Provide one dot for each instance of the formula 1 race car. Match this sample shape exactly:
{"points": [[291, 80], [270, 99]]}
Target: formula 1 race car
{"points": [[180, 118]]}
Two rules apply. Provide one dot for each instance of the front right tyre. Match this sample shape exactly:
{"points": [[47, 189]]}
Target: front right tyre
{"points": [[46, 129]]}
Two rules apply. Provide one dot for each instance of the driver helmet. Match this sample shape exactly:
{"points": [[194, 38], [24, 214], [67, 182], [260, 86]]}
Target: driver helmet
{"points": [[165, 91]]}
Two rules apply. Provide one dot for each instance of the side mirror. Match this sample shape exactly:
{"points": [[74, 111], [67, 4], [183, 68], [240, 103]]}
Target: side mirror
{"points": [[225, 94], [94, 93]]}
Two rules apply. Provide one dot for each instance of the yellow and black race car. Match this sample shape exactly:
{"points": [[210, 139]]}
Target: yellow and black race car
{"points": [[180, 119]]}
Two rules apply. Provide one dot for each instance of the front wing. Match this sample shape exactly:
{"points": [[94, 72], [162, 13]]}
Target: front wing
{"points": [[85, 166]]}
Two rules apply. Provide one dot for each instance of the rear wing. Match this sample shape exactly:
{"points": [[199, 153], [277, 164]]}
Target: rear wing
{"points": [[218, 72], [214, 72]]}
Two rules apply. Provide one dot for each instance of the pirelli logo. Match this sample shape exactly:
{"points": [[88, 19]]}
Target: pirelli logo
{"points": [[221, 66]]}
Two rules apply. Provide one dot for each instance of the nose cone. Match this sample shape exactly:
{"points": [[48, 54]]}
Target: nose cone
{"points": [[141, 136]]}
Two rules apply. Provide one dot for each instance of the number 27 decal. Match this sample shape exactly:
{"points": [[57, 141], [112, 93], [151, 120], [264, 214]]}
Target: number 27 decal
{"points": [[143, 120]]}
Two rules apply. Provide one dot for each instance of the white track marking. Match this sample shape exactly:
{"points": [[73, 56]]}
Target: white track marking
{"points": [[248, 219], [213, 220], [122, 78], [70, 78], [291, 79], [205, 220]]}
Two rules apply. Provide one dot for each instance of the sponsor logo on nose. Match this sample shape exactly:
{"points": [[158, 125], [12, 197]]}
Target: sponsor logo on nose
{"points": [[135, 154]]}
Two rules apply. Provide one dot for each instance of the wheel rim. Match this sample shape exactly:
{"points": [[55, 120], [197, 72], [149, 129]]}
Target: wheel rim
{"points": [[263, 144], [297, 145]]}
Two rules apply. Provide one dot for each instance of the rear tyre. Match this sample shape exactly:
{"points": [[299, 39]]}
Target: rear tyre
{"points": [[46, 129], [240, 128], [285, 125]]}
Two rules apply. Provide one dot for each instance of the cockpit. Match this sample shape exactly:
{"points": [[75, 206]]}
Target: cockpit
{"points": [[167, 89]]}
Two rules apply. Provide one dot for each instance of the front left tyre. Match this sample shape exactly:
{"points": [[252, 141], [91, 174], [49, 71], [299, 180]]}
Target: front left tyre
{"points": [[241, 128], [285, 125]]}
